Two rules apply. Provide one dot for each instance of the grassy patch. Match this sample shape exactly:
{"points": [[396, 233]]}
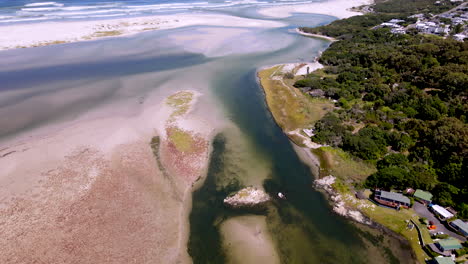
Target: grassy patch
{"points": [[397, 222], [182, 140], [340, 186], [107, 33], [336, 162], [290, 108], [181, 102]]}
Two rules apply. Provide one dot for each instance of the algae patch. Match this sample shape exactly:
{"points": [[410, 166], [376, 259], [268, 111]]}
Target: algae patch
{"points": [[183, 141], [181, 102]]}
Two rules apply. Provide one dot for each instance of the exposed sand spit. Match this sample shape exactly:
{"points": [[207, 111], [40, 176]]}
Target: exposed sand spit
{"points": [[49, 33], [337, 8], [246, 240]]}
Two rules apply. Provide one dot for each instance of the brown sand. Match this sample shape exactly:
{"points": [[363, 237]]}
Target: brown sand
{"points": [[109, 203]]}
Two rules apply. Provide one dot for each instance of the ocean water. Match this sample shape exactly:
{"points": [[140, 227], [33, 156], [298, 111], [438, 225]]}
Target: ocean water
{"points": [[30, 11]]}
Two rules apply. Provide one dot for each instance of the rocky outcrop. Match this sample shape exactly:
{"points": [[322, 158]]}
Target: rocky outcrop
{"points": [[339, 201], [247, 197]]}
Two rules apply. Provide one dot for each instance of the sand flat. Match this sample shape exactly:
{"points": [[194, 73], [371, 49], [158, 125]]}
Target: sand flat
{"points": [[246, 240], [49, 33], [336, 8]]}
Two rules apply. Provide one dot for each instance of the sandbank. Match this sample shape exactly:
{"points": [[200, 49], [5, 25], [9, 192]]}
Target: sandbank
{"points": [[336, 8], [246, 240], [48, 33]]}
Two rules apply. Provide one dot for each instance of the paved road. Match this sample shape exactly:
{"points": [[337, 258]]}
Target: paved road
{"points": [[422, 211]]}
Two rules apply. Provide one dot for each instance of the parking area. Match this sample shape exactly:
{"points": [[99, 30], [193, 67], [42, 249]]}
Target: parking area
{"points": [[423, 211]]}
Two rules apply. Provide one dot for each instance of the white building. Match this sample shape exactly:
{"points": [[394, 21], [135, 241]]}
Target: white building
{"points": [[440, 212]]}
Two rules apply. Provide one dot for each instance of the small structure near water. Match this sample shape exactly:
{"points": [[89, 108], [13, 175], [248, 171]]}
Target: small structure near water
{"points": [[392, 199]]}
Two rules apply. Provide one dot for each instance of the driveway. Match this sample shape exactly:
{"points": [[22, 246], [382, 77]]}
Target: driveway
{"points": [[423, 211]]}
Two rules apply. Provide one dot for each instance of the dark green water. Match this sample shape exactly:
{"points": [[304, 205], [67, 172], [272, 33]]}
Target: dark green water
{"points": [[303, 227]]}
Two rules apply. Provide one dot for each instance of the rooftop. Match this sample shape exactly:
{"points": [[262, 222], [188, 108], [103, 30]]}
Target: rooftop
{"points": [[449, 244], [460, 224], [426, 196], [442, 211], [395, 197], [444, 260]]}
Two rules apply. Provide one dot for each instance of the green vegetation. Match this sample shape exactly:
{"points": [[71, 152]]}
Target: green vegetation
{"points": [[336, 162], [181, 101], [183, 141], [107, 33], [291, 109], [383, 11], [402, 102]]}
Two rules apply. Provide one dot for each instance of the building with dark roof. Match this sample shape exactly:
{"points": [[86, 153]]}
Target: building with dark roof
{"points": [[460, 226], [392, 199]]}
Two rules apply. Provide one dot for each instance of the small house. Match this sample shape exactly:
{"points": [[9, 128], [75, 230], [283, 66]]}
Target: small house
{"points": [[423, 196], [443, 260], [442, 213], [448, 244], [392, 199], [460, 226]]}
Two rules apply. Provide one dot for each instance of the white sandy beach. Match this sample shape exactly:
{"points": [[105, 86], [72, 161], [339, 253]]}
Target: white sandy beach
{"points": [[48, 33], [41, 34], [336, 8]]}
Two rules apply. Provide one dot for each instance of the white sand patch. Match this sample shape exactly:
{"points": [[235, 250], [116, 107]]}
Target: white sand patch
{"points": [[40, 34], [288, 67], [315, 35], [306, 140], [246, 240], [312, 67], [336, 8]]}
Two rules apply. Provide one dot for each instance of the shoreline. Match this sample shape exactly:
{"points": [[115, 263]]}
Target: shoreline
{"points": [[300, 32], [52, 33], [340, 202], [344, 10]]}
